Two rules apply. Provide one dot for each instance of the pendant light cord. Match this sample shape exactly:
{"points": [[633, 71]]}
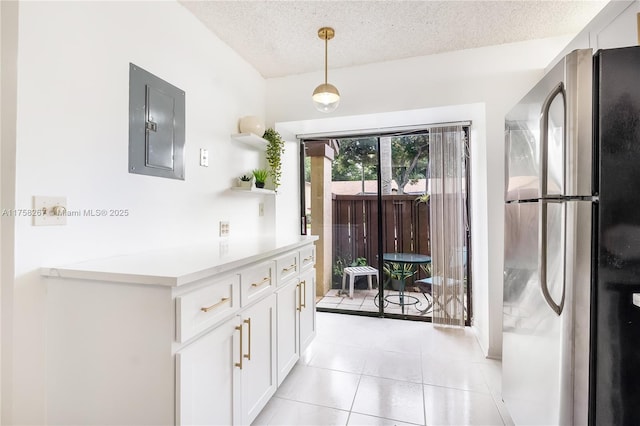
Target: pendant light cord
{"points": [[326, 43]]}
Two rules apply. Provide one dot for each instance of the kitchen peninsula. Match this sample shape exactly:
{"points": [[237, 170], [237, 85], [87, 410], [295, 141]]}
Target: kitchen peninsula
{"points": [[202, 334]]}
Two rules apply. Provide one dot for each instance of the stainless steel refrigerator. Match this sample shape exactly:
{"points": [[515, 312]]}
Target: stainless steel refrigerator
{"points": [[571, 330]]}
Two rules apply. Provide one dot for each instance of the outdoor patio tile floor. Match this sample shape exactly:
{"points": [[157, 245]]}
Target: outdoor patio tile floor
{"points": [[363, 300]]}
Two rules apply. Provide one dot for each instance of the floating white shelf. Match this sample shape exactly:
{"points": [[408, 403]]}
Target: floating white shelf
{"points": [[253, 190], [251, 139]]}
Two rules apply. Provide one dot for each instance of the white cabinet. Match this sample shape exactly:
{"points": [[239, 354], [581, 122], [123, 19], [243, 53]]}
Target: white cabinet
{"points": [[288, 327], [259, 357], [287, 267], [257, 282], [308, 311], [296, 320], [109, 354], [228, 375], [307, 257], [200, 309], [198, 346], [208, 378]]}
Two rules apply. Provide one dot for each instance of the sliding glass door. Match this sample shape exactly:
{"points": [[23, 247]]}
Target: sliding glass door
{"points": [[381, 208]]}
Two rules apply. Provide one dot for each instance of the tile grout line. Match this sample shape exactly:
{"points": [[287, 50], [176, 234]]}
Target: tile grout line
{"points": [[354, 398], [308, 403], [424, 397]]}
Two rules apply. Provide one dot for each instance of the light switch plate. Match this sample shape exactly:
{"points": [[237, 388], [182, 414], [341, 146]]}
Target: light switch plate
{"points": [[204, 157], [49, 211]]}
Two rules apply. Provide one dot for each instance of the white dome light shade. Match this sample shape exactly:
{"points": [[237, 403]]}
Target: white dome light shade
{"points": [[326, 97]]}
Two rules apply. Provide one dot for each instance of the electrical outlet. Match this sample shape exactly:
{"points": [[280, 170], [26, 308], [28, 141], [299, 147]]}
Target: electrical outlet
{"points": [[49, 211], [224, 229]]}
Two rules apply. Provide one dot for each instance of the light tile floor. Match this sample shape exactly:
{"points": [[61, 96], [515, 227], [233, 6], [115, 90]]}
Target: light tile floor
{"points": [[373, 371]]}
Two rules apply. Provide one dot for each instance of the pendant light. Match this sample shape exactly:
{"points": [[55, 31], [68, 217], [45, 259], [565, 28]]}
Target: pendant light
{"points": [[326, 97]]}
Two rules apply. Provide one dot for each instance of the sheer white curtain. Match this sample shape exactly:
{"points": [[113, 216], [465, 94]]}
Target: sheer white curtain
{"points": [[447, 157]]}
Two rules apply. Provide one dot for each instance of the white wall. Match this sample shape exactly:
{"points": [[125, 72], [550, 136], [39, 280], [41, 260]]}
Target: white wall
{"points": [[72, 140], [615, 26], [493, 77]]}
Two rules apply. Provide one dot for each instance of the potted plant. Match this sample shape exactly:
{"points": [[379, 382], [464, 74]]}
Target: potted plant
{"points": [[424, 198], [398, 273], [244, 181], [261, 176], [343, 262], [275, 149]]}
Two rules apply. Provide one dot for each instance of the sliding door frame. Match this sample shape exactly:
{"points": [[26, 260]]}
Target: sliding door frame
{"points": [[378, 133]]}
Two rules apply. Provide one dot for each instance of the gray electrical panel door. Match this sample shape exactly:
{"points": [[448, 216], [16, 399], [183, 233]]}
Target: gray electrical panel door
{"points": [[156, 126]]}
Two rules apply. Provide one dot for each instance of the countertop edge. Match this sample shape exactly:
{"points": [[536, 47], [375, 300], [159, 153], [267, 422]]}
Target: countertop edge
{"points": [[217, 267]]}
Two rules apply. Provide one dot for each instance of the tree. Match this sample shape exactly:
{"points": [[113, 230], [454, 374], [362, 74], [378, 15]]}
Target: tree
{"points": [[410, 159], [356, 160]]}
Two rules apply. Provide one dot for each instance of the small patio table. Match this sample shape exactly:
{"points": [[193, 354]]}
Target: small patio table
{"points": [[404, 258]]}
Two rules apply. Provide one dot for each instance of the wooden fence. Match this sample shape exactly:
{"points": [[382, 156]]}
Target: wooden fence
{"points": [[405, 227]]}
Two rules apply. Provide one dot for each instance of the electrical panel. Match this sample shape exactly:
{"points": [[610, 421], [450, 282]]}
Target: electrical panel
{"points": [[156, 126]]}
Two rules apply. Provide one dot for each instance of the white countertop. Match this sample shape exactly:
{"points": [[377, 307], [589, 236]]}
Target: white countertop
{"points": [[178, 266]]}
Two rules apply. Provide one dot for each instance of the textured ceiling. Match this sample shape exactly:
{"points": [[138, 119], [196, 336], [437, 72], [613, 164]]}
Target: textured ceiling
{"points": [[279, 38]]}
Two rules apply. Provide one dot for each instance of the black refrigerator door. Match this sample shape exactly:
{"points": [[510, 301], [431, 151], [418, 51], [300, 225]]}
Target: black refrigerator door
{"points": [[615, 363]]}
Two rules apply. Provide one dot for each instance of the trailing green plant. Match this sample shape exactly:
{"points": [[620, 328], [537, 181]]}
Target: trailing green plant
{"points": [[260, 175], [275, 149]]}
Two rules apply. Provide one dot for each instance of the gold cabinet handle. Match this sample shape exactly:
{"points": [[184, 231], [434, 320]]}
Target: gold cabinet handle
{"points": [[303, 302], [239, 364], [299, 308], [306, 259], [264, 280], [293, 266], [215, 305], [248, 354]]}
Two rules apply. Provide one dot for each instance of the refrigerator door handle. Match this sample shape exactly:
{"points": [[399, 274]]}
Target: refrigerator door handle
{"points": [[542, 272], [544, 174], [544, 136]]}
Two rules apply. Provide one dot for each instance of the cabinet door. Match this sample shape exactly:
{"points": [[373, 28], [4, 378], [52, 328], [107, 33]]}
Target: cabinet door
{"points": [[208, 378], [308, 311], [259, 357], [288, 328]]}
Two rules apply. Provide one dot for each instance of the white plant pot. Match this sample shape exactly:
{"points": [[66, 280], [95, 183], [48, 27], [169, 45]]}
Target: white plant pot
{"points": [[244, 183]]}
